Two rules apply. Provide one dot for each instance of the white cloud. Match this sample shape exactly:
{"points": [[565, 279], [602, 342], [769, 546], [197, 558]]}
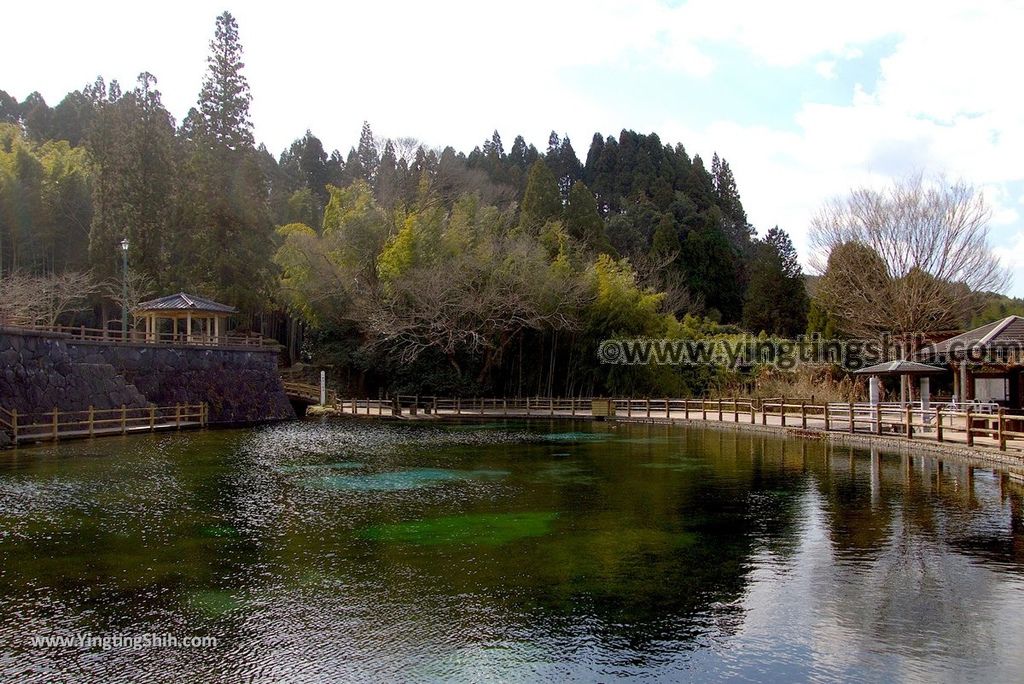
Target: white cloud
{"points": [[944, 103], [826, 69]]}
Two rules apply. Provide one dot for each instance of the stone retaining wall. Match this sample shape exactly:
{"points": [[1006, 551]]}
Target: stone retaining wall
{"points": [[41, 371]]}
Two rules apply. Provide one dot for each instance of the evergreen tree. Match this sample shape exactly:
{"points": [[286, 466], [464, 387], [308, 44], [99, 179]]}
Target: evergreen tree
{"points": [[224, 99], [387, 187], [541, 202], [228, 240], [776, 298], [134, 154], [10, 111], [37, 117], [367, 154], [582, 220], [306, 164], [727, 197]]}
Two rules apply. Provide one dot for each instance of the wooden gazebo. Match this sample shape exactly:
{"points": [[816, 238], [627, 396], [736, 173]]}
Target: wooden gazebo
{"points": [[185, 318]]}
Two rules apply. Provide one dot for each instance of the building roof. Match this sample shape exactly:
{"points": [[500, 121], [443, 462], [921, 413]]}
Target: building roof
{"points": [[1008, 332], [185, 302], [901, 368]]}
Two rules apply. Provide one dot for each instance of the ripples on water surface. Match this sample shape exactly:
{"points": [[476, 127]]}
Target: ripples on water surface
{"points": [[331, 551]]}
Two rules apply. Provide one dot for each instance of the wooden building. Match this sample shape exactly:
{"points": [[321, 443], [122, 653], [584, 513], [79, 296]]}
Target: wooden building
{"points": [[987, 362]]}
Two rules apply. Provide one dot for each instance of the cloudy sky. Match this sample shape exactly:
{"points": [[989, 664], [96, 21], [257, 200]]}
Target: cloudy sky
{"points": [[803, 98]]}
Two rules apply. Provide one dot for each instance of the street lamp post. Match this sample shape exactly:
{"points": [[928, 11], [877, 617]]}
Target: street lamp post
{"points": [[124, 288]]}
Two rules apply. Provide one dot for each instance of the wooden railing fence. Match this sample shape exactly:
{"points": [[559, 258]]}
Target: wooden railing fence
{"points": [[964, 425], [56, 424]]}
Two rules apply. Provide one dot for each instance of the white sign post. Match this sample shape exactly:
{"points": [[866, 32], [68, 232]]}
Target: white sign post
{"points": [[323, 387]]}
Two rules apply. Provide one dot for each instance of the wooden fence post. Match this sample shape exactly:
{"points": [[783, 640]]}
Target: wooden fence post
{"points": [[764, 412], [827, 427], [55, 423], [152, 417], [803, 415], [91, 418], [551, 406], [648, 400], [753, 419], [719, 409], [668, 409], [782, 411], [629, 407], [735, 411], [458, 406], [999, 429], [504, 406], [970, 433], [703, 409], [14, 425], [177, 416], [909, 415], [853, 427], [124, 419], [686, 409], [938, 424], [878, 419]]}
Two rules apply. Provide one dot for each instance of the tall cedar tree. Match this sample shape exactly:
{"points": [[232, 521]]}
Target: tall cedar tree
{"points": [[229, 243], [224, 99], [134, 155], [541, 202]]}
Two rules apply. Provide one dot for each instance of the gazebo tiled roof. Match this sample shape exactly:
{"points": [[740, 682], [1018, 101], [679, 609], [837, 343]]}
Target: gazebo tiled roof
{"points": [[186, 302]]}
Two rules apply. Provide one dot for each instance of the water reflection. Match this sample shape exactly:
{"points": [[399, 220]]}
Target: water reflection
{"points": [[346, 550]]}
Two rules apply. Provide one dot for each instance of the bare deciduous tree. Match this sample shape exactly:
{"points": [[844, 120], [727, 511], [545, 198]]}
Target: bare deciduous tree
{"points": [[653, 272], [908, 259], [137, 286], [473, 303], [44, 300]]}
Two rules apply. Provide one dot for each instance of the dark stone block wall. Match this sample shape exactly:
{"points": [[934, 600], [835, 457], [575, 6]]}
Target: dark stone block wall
{"points": [[40, 371]]}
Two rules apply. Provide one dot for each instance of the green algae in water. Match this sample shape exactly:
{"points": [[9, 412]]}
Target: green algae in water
{"points": [[212, 603], [575, 437], [402, 479], [490, 529], [219, 531]]}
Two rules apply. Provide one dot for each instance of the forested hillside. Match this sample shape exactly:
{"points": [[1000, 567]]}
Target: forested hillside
{"points": [[401, 265]]}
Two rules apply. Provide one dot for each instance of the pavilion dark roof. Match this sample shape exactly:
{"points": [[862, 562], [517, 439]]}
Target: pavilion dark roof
{"points": [[1008, 332], [183, 301]]}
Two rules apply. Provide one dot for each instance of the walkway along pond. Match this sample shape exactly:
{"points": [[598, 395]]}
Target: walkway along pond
{"points": [[980, 433]]}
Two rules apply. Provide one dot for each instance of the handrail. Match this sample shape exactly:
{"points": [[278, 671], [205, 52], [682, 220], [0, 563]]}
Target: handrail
{"points": [[56, 424], [141, 337], [939, 422]]}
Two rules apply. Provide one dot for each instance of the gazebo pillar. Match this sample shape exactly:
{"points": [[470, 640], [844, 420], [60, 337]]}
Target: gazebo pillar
{"points": [[188, 326], [965, 382]]}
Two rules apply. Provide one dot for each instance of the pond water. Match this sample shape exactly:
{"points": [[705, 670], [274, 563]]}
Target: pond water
{"points": [[361, 551]]}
